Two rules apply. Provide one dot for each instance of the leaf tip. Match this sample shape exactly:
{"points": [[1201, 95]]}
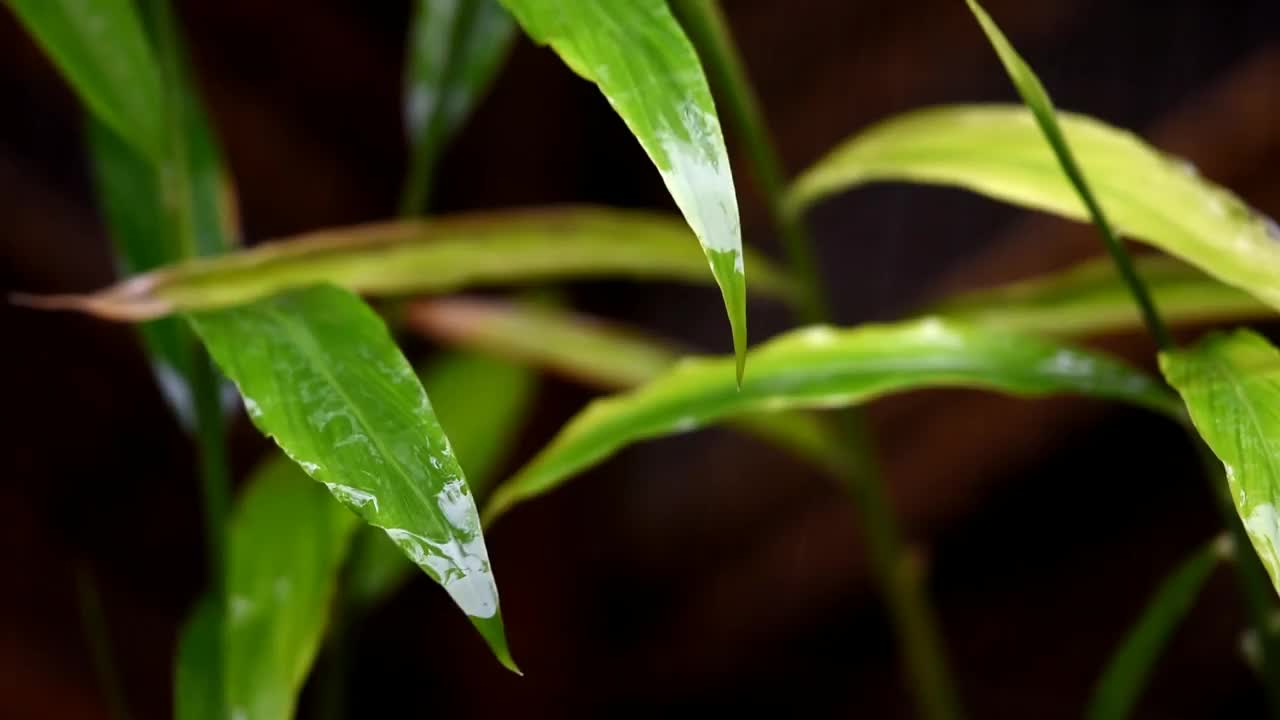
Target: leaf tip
{"points": [[491, 629]]}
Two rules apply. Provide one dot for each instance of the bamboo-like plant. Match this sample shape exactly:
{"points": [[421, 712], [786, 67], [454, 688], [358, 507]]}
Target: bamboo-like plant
{"points": [[317, 368]]}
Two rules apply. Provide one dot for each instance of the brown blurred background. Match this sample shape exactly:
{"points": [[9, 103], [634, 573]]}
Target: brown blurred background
{"points": [[699, 572]]}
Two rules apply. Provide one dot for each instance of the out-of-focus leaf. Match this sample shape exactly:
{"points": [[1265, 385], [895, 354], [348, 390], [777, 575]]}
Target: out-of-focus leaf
{"points": [[1090, 298], [1231, 385], [998, 150], [416, 256], [319, 372], [1126, 674], [102, 50], [288, 539], [455, 49], [638, 55], [822, 367], [196, 695], [481, 402]]}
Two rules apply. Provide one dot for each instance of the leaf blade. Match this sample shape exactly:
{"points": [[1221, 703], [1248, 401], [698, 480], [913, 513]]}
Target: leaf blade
{"points": [[418, 256], [822, 367], [1231, 386], [640, 58], [359, 406]]}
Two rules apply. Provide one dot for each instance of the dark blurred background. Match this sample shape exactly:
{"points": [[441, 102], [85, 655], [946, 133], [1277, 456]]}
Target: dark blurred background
{"points": [[699, 572]]}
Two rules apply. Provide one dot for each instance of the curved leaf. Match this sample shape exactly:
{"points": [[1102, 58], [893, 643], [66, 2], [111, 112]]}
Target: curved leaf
{"points": [[319, 372], [1231, 385], [455, 49], [821, 367], [416, 256], [998, 150], [638, 55], [102, 51], [1121, 683], [481, 402], [599, 354], [1090, 298], [287, 541]]}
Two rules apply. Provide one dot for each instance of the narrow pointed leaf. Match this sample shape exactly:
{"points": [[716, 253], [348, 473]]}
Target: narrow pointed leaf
{"points": [[1231, 386], [1090, 298], [102, 50], [320, 373], [287, 541], [601, 355], [421, 256], [481, 402], [1126, 674], [638, 55], [455, 49], [999, 151], [822, 367]]}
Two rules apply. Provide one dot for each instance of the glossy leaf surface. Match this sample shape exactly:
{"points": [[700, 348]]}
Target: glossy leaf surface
{"points": [[1231, 386], [822, 367], [481, 402], [393, 258], [287, 541], [999, 151], [638, 55], [600, 354], [455, 49], [101, 49], [1090, 298], [1126, 674], [320, 373]]}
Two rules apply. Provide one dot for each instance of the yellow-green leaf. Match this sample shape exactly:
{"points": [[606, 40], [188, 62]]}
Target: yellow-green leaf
{"points": [[640, 58]]}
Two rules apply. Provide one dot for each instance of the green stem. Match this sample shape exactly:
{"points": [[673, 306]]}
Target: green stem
{"points": [[95, 630], [913, 618]]}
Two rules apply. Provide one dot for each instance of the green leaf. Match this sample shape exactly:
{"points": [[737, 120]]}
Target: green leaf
{"points": [[417, 256], [101, 49], [320, 373], [287, 541], [1126, 674], [638, 55], [822, 367], [999, 151], [1090, 298], [481, 402], [1231, 385], [455, 49], [599, 354], [196, 695]]}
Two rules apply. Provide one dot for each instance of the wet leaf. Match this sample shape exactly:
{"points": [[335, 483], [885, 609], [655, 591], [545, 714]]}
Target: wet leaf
{"points": [[822, 367], [102, 50], [1090, 298], [455, 49], [419, 256], [638, 55], [481, 402], [1126, 674], [319, 372], [1231, 386], [999, 151]]}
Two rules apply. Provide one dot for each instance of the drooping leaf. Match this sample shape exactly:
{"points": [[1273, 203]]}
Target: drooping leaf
{"points": [[102, 50], [320, 373], [639, 57], [481, 402], [416, 256], [1126, 673], [1090, 298], [1231, 386], [821, 367], [598, 354], [288, 538], [999, 151], [455, 49]]}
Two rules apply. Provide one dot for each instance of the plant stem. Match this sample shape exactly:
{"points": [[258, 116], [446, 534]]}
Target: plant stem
{"points": [[95, 630], [913, 618]]}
